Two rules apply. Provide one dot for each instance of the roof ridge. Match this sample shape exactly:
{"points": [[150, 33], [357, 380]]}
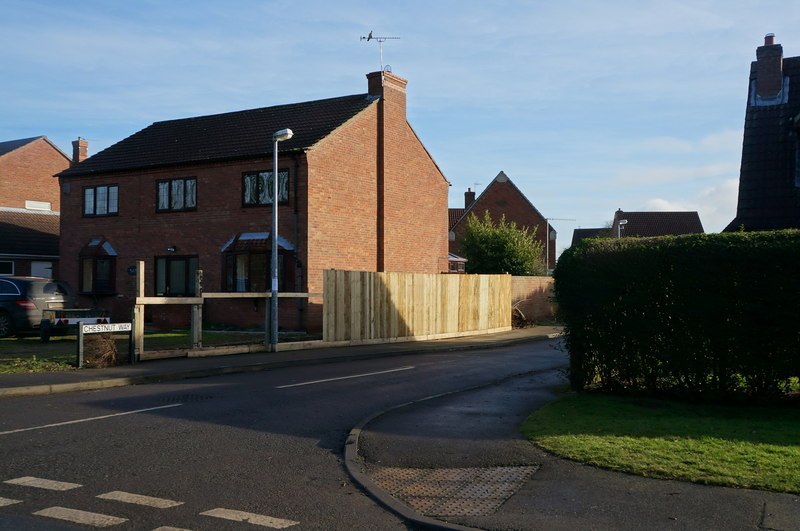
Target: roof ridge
{"points": [[270, 107]]}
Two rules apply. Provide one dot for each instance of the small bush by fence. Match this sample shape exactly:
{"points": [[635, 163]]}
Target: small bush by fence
{"points": [[709, 315]]}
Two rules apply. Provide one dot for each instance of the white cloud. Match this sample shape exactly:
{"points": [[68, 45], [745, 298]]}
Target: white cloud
{"points": [[715, 204], [644, 175], [724, 141]]}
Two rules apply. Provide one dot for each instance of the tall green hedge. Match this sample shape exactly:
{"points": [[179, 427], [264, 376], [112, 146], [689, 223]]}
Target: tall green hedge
{"points": [[696, 316]]}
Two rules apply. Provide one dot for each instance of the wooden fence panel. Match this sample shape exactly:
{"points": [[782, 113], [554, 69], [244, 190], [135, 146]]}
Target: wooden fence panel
{"points": [[363, 306]]}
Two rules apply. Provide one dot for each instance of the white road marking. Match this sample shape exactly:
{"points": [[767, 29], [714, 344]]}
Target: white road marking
{"points": [[250, 518], [343, 378], [87, 419], [40, 483], [81, 517], [138, 499], [6, 501]]}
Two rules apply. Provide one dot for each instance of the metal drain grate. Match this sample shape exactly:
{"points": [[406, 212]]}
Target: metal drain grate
{"points": [[453, 491]]}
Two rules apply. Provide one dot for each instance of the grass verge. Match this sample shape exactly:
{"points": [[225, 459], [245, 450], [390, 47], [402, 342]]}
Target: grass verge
{"points": [[30, 354], [747, 447]]}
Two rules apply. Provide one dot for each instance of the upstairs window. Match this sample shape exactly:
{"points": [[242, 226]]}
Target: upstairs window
{"points": [[101, 200], [177, 195], [257, 187]]}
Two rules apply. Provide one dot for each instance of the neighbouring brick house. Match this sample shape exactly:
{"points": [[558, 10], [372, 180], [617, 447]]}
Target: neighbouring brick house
{"points": [[769, 179], [195, 193], [501, 198], [29, 206]]}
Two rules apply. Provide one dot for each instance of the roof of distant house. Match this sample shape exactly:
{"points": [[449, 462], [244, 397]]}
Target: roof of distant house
{"points": [[28, 232], [227, 136], [642, 224], [582, 234], [454, 214]]}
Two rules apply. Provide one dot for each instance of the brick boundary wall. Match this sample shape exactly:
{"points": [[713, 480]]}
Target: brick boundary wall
{"points": [[533, 296]]}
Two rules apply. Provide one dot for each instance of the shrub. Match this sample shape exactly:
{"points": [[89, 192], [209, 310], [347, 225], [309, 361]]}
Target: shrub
{"points": [[705, 315]]}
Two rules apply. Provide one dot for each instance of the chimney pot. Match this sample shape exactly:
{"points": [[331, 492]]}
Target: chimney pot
{"points": [[769, 39]]}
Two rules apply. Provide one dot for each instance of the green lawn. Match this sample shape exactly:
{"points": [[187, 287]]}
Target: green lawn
{"points": [[748, 447]]}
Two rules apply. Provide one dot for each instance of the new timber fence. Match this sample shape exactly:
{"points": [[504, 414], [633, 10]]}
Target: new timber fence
{"points": [[370, 307]]}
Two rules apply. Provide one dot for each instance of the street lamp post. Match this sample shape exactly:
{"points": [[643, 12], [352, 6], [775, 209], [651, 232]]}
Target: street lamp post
{"points": [[620, 223], [283, 134]]}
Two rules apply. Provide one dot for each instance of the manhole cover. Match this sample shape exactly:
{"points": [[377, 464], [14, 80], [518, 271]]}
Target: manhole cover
{"points": [[453, 491]]}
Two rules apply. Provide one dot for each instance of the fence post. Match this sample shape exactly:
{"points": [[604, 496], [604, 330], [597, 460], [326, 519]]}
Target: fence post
{"points": [[197, 311], [80, 345]]}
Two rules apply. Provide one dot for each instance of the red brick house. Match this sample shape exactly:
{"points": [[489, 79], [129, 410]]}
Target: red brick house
{"points": [[195, 193], [29, 205], [502, 197], [769, 179]]}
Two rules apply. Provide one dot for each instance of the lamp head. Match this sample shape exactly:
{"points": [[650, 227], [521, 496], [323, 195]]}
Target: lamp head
{"points": [[283, 134]]}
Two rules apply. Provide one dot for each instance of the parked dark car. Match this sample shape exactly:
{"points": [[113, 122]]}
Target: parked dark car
{"points": [[23, 299]]}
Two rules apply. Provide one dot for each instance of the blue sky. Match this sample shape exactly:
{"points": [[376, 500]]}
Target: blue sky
{"points": [[586, 106]]}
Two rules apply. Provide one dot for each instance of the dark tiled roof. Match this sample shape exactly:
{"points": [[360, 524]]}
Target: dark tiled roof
{"points": [[768, 198], [28, 232], [582, 234], [454, 215], [233, 135], [11, 145], [643, 224]]}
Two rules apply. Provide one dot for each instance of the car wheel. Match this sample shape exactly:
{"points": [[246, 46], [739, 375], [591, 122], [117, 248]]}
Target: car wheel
{"points": [[5, 324]]}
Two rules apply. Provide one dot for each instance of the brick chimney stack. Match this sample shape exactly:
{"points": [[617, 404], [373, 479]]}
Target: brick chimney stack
{"points": [[769, 68], [80, 149], [391, 146], [469, 197], [391, 88]]}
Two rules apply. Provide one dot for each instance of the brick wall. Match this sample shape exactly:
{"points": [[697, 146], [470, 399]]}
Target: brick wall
{"points": [[140, 233], [414, 190], [532, 295], [27, 174]]}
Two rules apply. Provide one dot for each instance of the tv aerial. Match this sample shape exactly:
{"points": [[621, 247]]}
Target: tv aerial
{"points": [[380, 41]]}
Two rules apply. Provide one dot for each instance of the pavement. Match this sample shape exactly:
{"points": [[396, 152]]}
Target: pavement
{"points": [[458, 461]]}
